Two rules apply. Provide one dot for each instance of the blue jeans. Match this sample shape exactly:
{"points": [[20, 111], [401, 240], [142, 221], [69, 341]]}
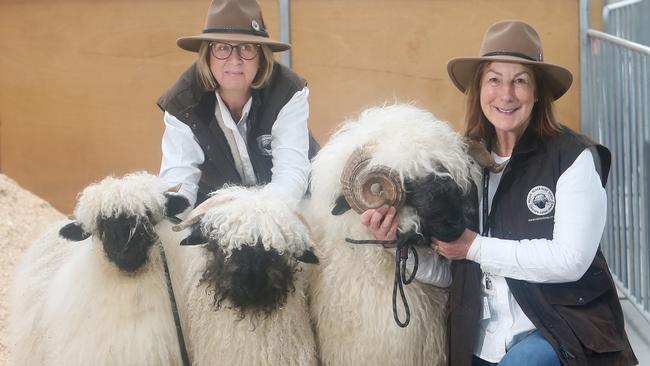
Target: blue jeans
{"points": [[533, 350]]}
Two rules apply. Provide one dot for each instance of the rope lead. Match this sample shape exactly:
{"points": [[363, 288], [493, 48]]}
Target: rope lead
{"points": [[401, 256]]}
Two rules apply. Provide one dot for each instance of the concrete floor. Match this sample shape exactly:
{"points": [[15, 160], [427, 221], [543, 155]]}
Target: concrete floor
{"points": [[638, 331]]}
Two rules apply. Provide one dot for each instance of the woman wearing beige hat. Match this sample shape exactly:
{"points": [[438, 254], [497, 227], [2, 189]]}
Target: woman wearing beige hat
{"points": [[236, 116], [533, 288]]}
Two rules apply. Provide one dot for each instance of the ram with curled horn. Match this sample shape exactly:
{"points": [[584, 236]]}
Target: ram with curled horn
{"points": [[442, 205], [401, 156]]}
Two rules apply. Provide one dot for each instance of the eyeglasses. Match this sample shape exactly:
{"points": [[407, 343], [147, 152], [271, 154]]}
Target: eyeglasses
{"points": [[222, 51]]}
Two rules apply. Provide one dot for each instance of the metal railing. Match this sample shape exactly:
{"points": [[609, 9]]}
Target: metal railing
{"points": [[285, 30], [616, 112], [628, 19]]}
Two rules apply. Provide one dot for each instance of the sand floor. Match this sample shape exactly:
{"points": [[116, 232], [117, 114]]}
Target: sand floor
{"points": [[23, 217]]}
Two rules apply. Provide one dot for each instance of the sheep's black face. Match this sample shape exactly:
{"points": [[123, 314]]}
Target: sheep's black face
{"points": [[253, 280], [443, 208], [126, 240]]}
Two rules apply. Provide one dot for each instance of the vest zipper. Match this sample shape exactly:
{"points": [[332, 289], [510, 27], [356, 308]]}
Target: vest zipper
{"points": [[566, 354]]}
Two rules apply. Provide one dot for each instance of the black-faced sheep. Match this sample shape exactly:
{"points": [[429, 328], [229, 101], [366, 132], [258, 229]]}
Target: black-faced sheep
{"points": [[351, 289], [94, 291], [242, 296]]}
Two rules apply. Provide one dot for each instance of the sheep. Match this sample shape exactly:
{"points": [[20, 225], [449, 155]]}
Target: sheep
{"points": [[242, 297], [387, 149], [93, 291]]}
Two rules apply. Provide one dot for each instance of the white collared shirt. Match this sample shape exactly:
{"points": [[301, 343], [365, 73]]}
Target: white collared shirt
{"points": [[239, 130], [580, 214], [182, 155]]}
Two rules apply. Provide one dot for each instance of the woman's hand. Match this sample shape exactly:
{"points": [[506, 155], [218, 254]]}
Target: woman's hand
{"points": [[457, 249], [382, 223]]}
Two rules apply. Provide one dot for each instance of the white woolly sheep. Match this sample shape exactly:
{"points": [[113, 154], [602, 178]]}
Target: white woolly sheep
{"points": [[242, 296], [102, 298], [352, 287]]}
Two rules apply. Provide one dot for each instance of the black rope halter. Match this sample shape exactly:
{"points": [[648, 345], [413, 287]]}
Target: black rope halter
{"points": [[149, 228], [404, 245], [185, 361], [172, 300]]}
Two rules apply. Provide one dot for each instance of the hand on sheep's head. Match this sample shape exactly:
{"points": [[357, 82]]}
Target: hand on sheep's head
{"points": [[255, 241], [194, 217], [457, 249]]}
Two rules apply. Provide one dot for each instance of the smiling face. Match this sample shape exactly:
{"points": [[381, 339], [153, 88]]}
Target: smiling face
{"points": [[234, 74], [507, 97]]}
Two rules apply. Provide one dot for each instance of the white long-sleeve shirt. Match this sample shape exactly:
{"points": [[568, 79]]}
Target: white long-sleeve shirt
{"points": [[182, 155], [433, 269], [579, 221]]}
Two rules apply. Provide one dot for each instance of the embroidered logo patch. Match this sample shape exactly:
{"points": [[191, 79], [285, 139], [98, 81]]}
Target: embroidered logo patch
{"points": [[540, 200], [264, 143]]}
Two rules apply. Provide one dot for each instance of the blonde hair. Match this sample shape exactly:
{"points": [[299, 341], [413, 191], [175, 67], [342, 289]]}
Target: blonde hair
{"points": [[207, 80], [542, 119]]}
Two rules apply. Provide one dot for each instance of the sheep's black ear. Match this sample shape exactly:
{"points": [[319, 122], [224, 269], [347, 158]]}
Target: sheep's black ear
{"points": [[196, 237], [176, 203], [409, 185], [74, 232], [341, 206], [308, 256]]}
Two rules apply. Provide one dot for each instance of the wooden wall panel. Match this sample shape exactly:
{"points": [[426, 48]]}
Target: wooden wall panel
{"points": [[79, 78], [368, 52], [79, 84]]}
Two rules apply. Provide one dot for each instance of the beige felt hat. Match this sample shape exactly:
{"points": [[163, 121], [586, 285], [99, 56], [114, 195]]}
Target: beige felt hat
{"points": [[234, 21], [510, 41]]}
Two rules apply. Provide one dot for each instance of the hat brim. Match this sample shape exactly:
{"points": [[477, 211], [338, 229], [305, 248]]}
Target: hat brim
{"points": [[193, 43], [461, 71]]}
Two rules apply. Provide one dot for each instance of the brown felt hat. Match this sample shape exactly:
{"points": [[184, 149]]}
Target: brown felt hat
{"points": [[233, 21], [510, 41]]}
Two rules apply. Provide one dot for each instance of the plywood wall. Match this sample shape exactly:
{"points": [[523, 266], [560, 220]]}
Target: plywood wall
{"points": [[79, 79], [361, 53]]}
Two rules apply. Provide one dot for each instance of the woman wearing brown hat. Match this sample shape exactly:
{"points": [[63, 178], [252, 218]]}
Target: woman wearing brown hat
{"points": [[236, 115], [533, 288]]}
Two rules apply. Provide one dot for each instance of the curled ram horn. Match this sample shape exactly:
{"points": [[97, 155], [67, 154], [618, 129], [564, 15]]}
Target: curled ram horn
{"points": [[482, 156], [199, 211], [365, 187]]}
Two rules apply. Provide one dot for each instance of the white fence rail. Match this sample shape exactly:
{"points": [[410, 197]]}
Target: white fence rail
{"points": [[628, 19]]}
